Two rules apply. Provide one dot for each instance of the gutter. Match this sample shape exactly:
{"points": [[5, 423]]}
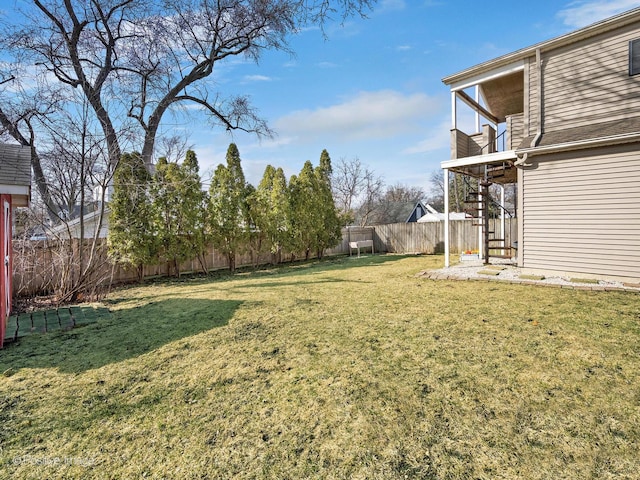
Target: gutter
{"points": [[577, 145]]}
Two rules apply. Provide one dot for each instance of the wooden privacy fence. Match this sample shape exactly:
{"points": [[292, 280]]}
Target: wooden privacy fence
{"points": [[40, 266], [428, 237]]}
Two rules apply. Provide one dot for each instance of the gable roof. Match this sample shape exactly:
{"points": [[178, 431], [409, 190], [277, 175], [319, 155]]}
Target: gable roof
{"points": [[15, 173], [15, 165]]}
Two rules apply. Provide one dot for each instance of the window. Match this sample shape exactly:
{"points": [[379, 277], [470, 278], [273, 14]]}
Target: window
{"points": [[634, 57]]}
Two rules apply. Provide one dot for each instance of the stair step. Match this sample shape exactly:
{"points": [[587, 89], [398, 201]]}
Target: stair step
{"points": [[496, 239]]}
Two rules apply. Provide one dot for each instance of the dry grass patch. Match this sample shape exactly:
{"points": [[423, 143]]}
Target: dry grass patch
{"points": [[350, 368]]}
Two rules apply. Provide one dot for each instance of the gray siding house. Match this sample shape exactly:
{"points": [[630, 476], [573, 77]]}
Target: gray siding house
{"points": [[562, 119]]}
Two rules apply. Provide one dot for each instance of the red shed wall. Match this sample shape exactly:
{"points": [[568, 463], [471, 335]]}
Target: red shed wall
{"points": [[5, 260]]}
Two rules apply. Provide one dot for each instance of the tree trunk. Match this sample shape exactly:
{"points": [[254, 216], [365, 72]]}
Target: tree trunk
{"points": [[203, 262], [176, 267]]}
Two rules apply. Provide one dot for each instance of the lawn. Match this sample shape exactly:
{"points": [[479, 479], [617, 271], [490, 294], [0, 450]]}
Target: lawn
{"points": [[346, 368]]}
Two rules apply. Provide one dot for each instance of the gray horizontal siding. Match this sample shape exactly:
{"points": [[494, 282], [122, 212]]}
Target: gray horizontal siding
{"points": [[515, 131], [530, 97], [582, 214], [588, 82]]}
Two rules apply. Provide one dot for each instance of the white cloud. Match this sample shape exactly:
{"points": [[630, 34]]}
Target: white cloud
{"points": [[327, 65], [257, 78], [368, 115], [270, 143], [403, 48], [438, 139], [581, 13], [391, 5]]}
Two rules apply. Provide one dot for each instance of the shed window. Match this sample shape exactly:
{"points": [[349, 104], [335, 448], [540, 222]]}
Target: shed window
{"points": [[634, 57]]}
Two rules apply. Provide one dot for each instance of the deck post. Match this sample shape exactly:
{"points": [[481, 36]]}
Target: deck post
{"points": [[502, 222], [481, 212], [446, 217], [454, 115]]}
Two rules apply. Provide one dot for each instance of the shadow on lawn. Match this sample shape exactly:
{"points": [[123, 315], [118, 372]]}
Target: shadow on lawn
{"points": [[118, 336]]}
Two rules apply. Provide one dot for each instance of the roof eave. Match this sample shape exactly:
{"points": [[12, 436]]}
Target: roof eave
{"points": [[20, 194], [580, 144]]}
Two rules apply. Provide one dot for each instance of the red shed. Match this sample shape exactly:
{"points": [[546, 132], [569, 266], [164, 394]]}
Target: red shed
{"points": [[15, 191]]}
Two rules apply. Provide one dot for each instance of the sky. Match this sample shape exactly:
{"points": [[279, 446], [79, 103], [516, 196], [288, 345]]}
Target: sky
{"points": [[372, 88]]}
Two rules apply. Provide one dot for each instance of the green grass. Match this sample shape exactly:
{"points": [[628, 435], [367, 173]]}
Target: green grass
{"points": [[349, 368]]}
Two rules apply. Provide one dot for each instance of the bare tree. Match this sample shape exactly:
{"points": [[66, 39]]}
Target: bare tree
{"points": [[356, 189], [459, 189], [173, 147], [126, 64], [347, 181], [134, 60], [20, 115], [370, 199], [403, 193], [79, 173]]}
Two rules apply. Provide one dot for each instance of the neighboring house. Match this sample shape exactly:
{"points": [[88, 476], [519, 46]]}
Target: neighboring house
{"points": [[15, 191], [423, 212], [387, 212], [71, 228], [407, 212], [439, 217], [432, 215], [563, 121], [419, 210]]}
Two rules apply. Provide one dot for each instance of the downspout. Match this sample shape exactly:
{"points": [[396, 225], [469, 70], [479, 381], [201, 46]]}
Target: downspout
{"points": [[522, 161]]}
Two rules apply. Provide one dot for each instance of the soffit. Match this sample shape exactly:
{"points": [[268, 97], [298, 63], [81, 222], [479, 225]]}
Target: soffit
{"points": [[504, 95]]}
